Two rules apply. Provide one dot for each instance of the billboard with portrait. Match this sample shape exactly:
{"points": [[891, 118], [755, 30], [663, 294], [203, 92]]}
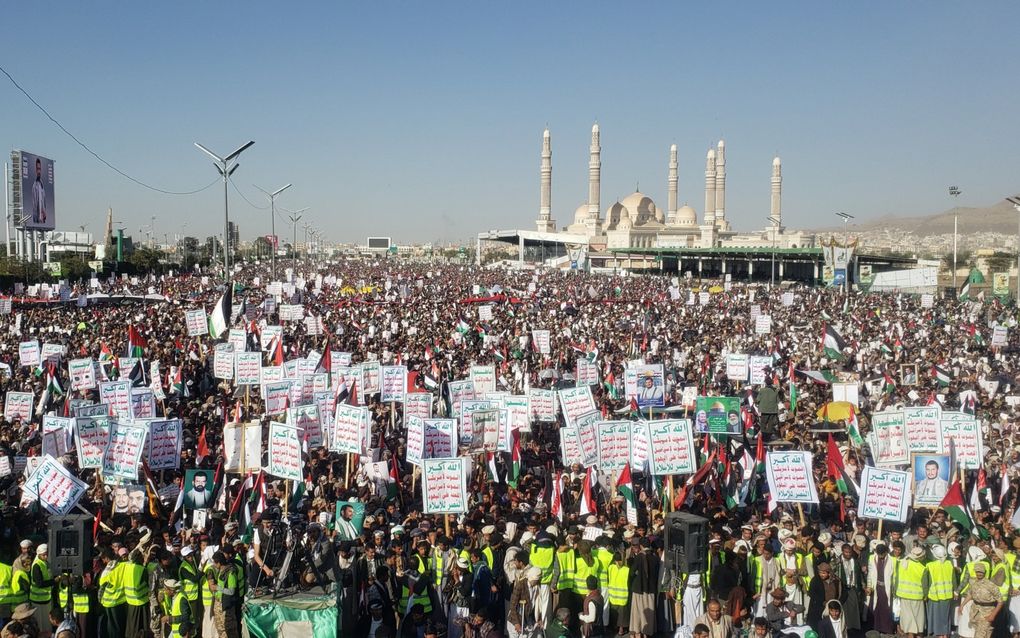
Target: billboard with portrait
{"points": [[718, 415], [932, 475], [37, 194]]}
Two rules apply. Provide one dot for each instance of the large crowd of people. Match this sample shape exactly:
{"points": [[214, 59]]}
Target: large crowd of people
{"points": [[542, 548]]}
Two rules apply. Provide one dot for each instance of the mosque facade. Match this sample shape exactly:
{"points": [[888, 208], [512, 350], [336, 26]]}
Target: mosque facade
{"points": [[637, 222]]}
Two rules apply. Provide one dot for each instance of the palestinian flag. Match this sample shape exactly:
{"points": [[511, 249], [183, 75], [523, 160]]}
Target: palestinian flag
{"points": [[821, 377], [941, 374], [836, 470], [515, 456], [964, 293], [587, 504], [202, 448], [177, 384], [625, 488], [105, 354], [890, 384], [885, 348], [954, 506], [832, 343], [219, 320], [491, 468], [136, 343], [610, 385], [393, 480], [853, 430], [463, 327]]}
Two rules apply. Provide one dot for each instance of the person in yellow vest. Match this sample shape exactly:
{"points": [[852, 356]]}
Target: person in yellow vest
{"points": [[206, 624], [542, 555], [999, 575], [6, 578], [941, 588], [618, 576], [176, 608], [910, 587], [78, 607], [585, 565], [563, 580], [987, 601], [41, 587], [974, 556], [189, 577], [226, 597], [136, 594], [20, 581], [111, 597]]}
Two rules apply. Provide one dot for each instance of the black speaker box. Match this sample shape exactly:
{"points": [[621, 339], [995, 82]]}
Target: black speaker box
{"points": [[686, 542], [70, 543]]}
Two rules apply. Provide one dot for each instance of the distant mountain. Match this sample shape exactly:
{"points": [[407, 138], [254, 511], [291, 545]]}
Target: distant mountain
{"points": [[1000, 217]]}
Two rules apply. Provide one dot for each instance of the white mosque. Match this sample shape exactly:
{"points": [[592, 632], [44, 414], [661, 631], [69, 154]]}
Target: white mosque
{"points": [[636, 221]]}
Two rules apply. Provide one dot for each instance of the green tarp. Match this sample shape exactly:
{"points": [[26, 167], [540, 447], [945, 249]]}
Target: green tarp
{"points": [[262, 616]]}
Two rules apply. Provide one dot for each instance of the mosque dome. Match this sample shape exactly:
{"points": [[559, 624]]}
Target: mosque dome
{"points": [[613, 216], [640, 208], [580, 214], [686, 216]]}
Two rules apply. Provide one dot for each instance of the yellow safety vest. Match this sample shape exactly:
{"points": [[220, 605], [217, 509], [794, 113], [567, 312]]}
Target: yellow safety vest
{"points": [[582, 570], [618, 589], [136, 585], [437, 568], [176, 615], [542, 558], [910, 580], [487, 552], [605, 559], [111, 587], [6, 575], [969, 570], [423, 598], [19, 587], [1004, 587], [189, 588], [207, 593], [40, 595], [466, 555], [80, 600], [567, 561], [940, 577]]}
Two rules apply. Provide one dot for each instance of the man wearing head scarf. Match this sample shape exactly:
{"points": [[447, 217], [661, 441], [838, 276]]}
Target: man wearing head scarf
{"points": [[941, 585], [910, 583], [834, 624], [988, 602]]}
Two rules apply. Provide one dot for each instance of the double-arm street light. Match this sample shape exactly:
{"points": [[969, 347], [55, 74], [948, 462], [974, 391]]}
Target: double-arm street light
{"points": [[226, 167], [272, 217]]}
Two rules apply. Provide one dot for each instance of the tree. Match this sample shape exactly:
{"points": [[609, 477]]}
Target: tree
{"points": [[999, 262]]}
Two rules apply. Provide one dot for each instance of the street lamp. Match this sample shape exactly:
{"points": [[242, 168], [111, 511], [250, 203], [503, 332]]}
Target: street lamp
{"points": [[1015, 200], [955, 192], [775, 230], [294, 218], [226, 167], [846, 242], [272, 218]]}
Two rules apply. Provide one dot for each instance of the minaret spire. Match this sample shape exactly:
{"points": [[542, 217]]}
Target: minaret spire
{"points": [[593, 221], [776, 210], [672, 188], [710, 188], [545, 222], [720, 186]]}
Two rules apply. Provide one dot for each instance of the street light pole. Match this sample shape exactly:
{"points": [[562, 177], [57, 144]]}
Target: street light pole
{"points": [[294, 219], [846, 242], [955, 192], [1015, 200], [272, 219], [226, 167]]}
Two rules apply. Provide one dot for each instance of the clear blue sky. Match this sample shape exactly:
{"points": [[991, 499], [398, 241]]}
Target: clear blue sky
{"points": [[423, 120]]}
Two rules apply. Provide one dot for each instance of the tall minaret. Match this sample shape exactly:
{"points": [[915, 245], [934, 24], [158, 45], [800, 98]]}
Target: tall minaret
{"points": [[673, 179], [710, 188], [776, 210], [594, 181], [545, 222], [720, 186]]}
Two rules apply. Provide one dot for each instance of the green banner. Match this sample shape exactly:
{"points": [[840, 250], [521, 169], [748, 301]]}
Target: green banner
{"points": [[717, 415]]}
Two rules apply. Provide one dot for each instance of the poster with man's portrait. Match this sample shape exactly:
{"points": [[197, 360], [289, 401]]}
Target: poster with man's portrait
{"points": [[908, 374], [128, 499], [931, 478], [198, 486], [350, 519], [644, 383]]}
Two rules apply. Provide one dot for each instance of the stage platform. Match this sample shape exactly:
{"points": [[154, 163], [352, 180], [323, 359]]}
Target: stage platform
{"points": [[294, 615]]}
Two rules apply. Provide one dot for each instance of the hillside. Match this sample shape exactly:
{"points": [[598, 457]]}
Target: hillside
{"points": [[997, 218]]}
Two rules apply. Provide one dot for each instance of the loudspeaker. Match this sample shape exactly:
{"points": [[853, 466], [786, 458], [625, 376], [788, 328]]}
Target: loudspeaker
{"points": [[686, 542], [70, 544]]}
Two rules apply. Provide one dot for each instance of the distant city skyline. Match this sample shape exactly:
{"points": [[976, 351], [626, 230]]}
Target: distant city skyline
{"points": [[424, 122]]}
